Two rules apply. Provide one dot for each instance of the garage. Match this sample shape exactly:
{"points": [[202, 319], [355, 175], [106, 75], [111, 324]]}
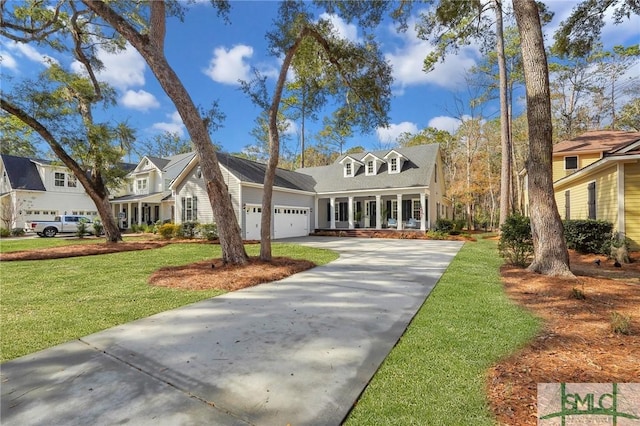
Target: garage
{"points": [[290, 222], [287, 222]]}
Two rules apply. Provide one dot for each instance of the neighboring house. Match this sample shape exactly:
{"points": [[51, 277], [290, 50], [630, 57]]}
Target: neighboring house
{"points": [[33, 189], [597, 176], [147, 197], [357, 190]]}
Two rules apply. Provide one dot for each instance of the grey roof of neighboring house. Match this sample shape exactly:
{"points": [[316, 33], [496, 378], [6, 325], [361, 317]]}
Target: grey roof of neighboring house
{"points": [[254, 172], [160, 163], [416, 171], [175, 164], [23, 173]]}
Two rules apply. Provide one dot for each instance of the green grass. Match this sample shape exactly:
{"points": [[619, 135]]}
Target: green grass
{"points": [[18, 244], [48, 302], [436, 373]]}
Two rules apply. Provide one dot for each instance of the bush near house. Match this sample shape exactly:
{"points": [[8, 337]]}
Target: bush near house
{"points": [[168, 230], [208, 231], [588, 235], [187, 229], [516, 242], [4, 233]]}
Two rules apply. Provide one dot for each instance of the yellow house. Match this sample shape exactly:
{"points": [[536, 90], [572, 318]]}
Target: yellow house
{"points": [[597, 176]]}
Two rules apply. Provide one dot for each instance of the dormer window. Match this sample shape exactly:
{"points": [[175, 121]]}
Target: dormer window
{"points": [[395, 161], [370, 167], [350, 165], [348, 169], [394, 165]]}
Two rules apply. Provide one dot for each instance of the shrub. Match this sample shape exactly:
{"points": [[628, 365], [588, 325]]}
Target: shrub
{"points": [[208, 231], [17, 232], [516, 242], [436, 235], [188, 229], [135, 228], [168, 230], [620, 324], [82, 229], [588, 236], [4, 233], [98, 227], [444, 225], [148, 229], [459, 224]]}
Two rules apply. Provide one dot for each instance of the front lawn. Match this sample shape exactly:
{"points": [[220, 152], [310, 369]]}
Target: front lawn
{"points": [[26, 243], [436, 374], [48, 302]]}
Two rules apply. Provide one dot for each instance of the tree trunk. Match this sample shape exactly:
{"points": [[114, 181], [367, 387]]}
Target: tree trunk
{"points": [[550, 250], [505, 139], [95, 188], [151, 49]]}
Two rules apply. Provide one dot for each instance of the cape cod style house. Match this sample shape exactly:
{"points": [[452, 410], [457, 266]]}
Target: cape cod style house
{"points": [[402, 187]]}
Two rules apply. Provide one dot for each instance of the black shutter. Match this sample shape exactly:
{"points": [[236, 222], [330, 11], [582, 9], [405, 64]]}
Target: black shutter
{"points": [[592, 200], [406, 209], [329, 212], [184, 205], [388, 209], [195, 208]]}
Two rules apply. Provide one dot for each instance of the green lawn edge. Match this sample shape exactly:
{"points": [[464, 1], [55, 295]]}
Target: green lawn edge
{"points": [[436, 374], [47, 302]]}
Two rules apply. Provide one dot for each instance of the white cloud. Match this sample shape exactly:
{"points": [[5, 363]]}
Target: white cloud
{"points": [[174, 126], [229, 66], [390, 134], [7, 61], [31, 53], [408, 61], [292, 127], [342, 28], [122, 69], [139, 100], [450, 124]]}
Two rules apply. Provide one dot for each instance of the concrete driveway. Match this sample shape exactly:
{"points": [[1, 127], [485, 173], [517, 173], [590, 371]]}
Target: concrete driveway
{"points": [[297, 351]]}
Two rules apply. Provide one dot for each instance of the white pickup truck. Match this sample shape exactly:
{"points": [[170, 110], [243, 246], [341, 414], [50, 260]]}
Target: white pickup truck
{"points": [[59, 225]]}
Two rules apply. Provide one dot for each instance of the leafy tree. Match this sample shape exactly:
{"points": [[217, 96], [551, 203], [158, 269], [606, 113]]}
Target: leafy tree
{"points": [[355, 73], [335, 133], [165, 144], [17, 137], [143, 25], [59, 106], [629, 117]]}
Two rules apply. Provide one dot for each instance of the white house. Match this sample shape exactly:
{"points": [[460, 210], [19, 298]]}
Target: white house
{"points": [[147, 197], [33, 189], [357, 190]]}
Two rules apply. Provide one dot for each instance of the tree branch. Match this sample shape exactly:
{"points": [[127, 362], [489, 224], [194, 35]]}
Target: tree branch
{"points": [[157, 28]]}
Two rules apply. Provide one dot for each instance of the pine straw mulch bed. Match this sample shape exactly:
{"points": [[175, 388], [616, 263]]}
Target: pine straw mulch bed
{"points": [[577, 343], [81, 250]]}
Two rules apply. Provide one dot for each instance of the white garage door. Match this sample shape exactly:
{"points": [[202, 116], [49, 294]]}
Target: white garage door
{"points": [[290, 222], [252, 222]]}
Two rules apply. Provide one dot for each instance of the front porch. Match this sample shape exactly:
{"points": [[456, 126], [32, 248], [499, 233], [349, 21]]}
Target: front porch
{"points": [[400, 211]]}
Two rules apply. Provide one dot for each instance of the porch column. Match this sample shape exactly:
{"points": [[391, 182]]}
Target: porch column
{"points": [[129, 214], [378, 213], [423, 210], [350, 209], [315, 212], [332, 213], [139, 212], [400, 224]]}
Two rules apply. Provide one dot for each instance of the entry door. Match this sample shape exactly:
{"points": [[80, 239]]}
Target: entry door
{"points": [[371, 213]]}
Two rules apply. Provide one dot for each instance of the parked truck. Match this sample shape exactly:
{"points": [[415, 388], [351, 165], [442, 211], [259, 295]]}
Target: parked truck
{"points": [[60, 225]]}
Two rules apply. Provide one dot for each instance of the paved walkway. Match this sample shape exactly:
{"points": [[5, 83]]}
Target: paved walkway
{"points": [[297, 351]]}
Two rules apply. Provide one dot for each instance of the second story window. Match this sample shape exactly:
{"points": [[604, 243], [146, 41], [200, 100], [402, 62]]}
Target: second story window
{"points": [[58, 179], [370, 167], [348, 169], [394, 165], [571, 163], [72, 181], [141, 185]]}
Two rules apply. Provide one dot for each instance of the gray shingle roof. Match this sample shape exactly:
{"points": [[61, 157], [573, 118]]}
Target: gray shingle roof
{"points": [[253, 172], [23, 173], [416, 171]]}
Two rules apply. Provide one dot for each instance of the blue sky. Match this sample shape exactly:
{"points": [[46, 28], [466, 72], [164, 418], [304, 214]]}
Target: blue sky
{"points": [[210, 57]]}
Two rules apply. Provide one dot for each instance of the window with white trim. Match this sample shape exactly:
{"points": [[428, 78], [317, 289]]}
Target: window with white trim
{"points": [[571, 163], [141, 185], [58, 179], [393, 167], [189, 209], [370, 167], [72, 181], [416, 210], [348, 169]]}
